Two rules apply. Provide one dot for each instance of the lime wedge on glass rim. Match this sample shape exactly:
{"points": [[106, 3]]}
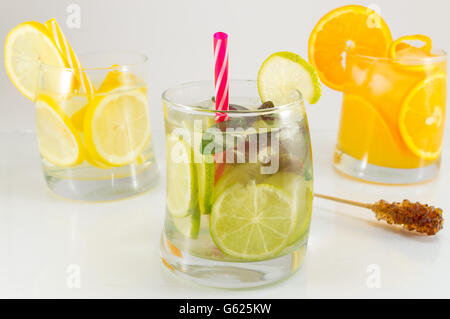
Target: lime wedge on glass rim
{"points": [[252, 222], [283, 72]]}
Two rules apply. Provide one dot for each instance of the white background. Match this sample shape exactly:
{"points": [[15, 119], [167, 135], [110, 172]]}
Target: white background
{"points": [[177, 36]]}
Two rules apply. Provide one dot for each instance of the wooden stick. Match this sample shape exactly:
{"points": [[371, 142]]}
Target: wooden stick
{"points": [[345, 201], [411, 216]]}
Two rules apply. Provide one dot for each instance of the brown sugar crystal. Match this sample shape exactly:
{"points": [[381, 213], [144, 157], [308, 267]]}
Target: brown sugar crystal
{"points": [[417, 217]]}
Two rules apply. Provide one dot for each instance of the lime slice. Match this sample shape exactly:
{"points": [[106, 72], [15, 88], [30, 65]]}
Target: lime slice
{"points": [[205, 168], [252, 222], [181, 178], [300, 191], [283, 72], [238, 173], [188, 226], [205, 174]]}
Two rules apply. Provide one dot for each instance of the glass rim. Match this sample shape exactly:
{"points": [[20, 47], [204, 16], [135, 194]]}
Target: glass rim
{"points": [[190, 108], [142, 57], [440, 55]]}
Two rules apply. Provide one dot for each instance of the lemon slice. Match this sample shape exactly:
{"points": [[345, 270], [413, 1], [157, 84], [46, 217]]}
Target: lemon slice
{"points": [[117, 126], [26, 46], [283, 72], [96, 163], [71, 59], [252, 222], [182, 189], [422, 117], [116, 79], [77, 117], [58, 140]]}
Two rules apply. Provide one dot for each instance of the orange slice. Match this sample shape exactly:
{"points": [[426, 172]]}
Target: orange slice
{"points": [[363, 133], [412, 58], [422, 117], [400, 49], [351, 27]]}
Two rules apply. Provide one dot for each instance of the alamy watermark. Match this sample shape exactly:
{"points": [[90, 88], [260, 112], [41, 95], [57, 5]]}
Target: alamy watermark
{"points": [[374, 19], [73, 279], [374, 277], [73, 20]]}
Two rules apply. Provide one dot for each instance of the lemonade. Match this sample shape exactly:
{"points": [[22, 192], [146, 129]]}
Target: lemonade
{"points": [[93, 126], [239, 192], [394, 96]]}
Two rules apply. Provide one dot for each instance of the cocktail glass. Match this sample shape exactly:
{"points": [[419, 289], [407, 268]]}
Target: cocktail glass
{"points": [[94, 135], [239, 192], [392, 120]]}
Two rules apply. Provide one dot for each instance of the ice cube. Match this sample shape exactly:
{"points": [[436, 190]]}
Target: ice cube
{"points": [[379, 84]]}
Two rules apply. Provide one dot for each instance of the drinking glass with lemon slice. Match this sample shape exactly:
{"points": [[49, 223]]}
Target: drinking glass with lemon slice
{"points": [[92, 120], [394, 96]]}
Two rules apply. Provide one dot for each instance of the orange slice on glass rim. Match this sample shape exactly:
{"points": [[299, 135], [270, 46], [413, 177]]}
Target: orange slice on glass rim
{"points": [[351, 27], [422, 117]]}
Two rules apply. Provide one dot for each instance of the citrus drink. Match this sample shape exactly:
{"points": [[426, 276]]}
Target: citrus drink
{"points": [[393, 113], [394, 96], [239, 192], [99, 141], [93, 126]]}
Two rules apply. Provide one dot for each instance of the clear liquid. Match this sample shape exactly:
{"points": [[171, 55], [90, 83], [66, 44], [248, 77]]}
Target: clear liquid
{"points": [[91, 180], [87, 172], [294, 157]]}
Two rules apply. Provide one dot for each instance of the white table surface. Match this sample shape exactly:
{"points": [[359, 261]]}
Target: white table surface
{"points": [[115, 246]]}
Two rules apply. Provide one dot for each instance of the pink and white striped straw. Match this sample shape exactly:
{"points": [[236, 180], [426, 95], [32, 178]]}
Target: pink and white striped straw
{"points": [[221, 74]]}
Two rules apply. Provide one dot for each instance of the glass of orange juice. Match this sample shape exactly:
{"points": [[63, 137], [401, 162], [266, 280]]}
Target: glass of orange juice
{"points": [[394, 96], [393, 114]]}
